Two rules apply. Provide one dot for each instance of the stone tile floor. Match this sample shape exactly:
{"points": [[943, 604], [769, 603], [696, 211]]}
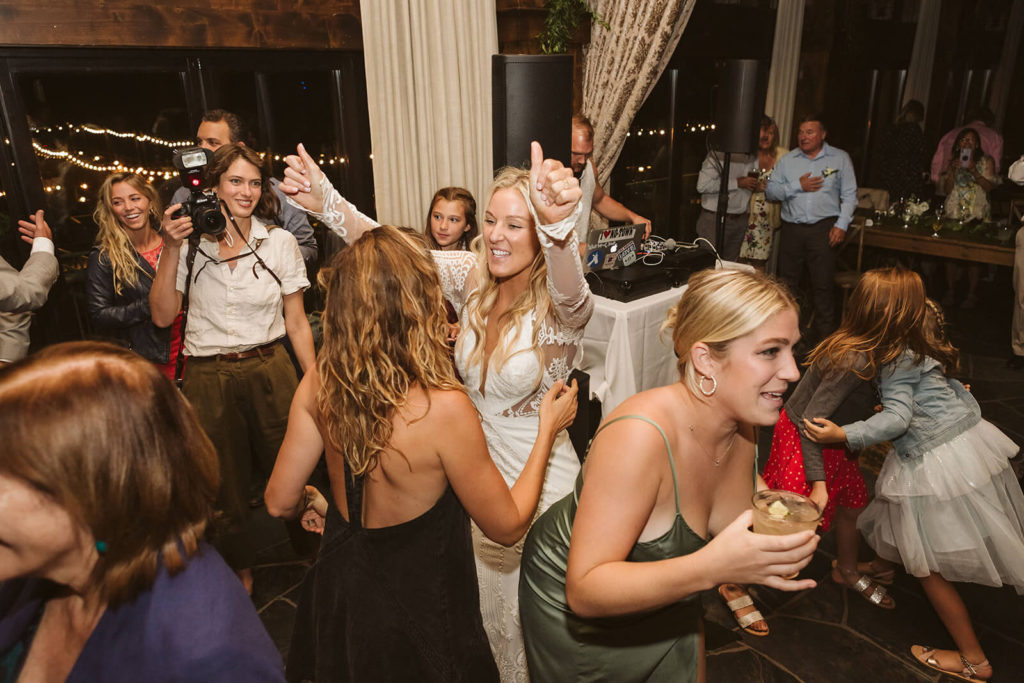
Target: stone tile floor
{"points": [[824, 634]]}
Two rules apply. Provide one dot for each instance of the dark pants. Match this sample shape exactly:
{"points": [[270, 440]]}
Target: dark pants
{"points": [[736, 225], [243, 407], [808, 243]]}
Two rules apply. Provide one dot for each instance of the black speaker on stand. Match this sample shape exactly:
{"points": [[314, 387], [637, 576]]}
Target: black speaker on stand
{"points": [[738, 106], [531, 97]]}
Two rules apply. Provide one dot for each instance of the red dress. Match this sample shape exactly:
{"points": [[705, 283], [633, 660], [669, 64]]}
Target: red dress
{"points": [[152, 256], [785, 470]]}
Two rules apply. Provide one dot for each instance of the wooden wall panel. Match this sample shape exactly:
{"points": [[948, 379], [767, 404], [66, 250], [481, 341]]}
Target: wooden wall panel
{"points": [[282, 24]]}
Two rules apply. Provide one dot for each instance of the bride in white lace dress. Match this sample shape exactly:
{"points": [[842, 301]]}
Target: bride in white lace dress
{"points": [[522, 303]]}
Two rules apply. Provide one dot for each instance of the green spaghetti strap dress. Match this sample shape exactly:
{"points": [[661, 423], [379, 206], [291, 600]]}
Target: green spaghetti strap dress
{"points": [[660, 645]]}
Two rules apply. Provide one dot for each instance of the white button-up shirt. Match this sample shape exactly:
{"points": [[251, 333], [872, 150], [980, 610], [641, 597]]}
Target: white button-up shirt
{"points": [[232, 310]]}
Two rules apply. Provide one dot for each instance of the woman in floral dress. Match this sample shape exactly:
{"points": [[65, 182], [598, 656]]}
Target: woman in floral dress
{"points": [[765, 216]]}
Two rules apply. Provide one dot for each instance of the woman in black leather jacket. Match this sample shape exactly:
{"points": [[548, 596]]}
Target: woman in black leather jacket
{"points": [[122, 266]]}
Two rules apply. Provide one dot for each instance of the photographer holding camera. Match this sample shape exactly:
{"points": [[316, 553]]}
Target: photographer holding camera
{"points": [[240, 282]]}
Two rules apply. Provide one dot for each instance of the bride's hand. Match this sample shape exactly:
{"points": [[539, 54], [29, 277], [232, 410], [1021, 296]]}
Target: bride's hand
{"points": [[558, 407], [302, 180], [554, 191]]}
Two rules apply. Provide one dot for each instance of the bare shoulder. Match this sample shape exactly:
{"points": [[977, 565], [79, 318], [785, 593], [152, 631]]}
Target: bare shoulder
{"points": [[662, 406], [623, 430], [450, 408]]}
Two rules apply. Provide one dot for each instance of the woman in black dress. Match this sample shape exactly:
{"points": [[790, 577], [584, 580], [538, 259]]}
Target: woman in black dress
{"points": [[393, 594]]}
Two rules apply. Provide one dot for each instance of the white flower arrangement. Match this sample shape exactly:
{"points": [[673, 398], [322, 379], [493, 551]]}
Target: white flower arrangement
{"points": [[914, 208]]}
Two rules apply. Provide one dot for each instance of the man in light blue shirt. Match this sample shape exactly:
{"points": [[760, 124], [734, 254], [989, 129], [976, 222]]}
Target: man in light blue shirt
{"points": [[818, 191]]}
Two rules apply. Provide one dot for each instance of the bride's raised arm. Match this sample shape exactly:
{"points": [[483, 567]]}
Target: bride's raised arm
{"points": [[308, 188], [554, 202]]}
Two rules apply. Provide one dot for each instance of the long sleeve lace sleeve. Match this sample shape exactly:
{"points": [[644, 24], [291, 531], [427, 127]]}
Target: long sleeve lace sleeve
{"points": [[339, 214], [457, 270], [569, 290]]}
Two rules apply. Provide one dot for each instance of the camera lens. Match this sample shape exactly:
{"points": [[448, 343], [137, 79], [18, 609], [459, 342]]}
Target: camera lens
{"points": [[213, 222]]}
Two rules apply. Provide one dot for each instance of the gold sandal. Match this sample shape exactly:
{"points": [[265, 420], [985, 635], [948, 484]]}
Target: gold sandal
{"points": [[864, 586], [926, 655], [883, 578], [746, 621]]}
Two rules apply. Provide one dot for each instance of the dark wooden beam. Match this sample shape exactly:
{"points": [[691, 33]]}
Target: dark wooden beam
{"points": [[273, 24]]}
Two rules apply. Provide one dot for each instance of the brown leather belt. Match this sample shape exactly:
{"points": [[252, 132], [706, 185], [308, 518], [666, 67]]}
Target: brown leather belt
{"points": [[266, 349]]}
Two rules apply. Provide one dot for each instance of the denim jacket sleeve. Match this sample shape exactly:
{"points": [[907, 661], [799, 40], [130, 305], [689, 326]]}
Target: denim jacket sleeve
{"points": [[897, 384]]}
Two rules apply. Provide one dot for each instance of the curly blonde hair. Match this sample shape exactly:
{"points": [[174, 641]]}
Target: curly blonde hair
{"points": [[113, 239], [384, 331], [535, 299]]}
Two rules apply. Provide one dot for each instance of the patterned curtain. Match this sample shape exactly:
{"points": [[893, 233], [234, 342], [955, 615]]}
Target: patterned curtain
{"points": [[622, 65], [428, 84]]}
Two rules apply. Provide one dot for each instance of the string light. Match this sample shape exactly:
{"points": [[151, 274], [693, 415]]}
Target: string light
{"points": [[97, 130], [95, 164], [686, 128]]}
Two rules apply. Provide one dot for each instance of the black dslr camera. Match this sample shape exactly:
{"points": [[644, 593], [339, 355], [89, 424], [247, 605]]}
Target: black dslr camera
{"points": [[202, 207]]}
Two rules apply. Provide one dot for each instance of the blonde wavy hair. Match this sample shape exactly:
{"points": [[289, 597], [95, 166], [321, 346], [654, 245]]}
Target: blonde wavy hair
{"points": [[718, 307], [113, 237], [384, 331], [482, 301]]}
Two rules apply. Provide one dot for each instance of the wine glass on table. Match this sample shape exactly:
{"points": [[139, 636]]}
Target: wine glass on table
{"points": [[938, 220]]}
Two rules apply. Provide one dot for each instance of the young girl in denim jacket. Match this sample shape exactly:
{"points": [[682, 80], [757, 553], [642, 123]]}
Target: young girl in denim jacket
{"points": [[947, 505]]}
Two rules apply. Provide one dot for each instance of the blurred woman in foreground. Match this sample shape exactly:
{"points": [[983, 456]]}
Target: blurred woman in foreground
{"points": [[106, 485]]}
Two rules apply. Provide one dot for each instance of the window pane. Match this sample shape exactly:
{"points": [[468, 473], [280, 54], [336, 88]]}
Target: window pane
{"points": [[85, 126]]}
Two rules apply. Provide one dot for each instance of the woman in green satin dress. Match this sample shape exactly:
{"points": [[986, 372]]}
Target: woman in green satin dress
{"points": [[611, 573]]}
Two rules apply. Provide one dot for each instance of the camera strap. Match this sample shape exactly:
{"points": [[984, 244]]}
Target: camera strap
{"points": [[252, 250], [179, 362]]}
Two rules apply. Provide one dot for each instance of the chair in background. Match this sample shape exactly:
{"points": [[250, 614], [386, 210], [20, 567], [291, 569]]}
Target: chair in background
{"points": [[847, 277]]}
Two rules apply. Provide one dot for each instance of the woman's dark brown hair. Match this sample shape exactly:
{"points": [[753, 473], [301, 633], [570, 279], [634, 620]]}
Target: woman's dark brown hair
{"points": [[268, 206], [106, 436]]}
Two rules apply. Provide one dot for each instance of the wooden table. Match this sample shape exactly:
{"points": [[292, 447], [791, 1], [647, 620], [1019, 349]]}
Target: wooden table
{"points": [[947, 245]]}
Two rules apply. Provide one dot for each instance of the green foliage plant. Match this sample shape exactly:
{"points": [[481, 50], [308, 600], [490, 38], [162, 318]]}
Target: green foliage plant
{"points": [[564, 17]]}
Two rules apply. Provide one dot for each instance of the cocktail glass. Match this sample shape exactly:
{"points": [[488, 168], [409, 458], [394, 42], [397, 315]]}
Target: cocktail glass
{"points": [[778, 513]]}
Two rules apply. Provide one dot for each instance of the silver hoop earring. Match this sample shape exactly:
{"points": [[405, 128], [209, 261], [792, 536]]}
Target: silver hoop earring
{"points": [[714, 385]]}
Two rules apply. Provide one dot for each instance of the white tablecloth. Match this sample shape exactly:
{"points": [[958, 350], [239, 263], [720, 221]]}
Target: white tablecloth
{"points": [[623, 351]]}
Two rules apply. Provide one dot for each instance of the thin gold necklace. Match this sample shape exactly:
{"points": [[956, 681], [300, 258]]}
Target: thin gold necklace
{"points": [[717, 461]]}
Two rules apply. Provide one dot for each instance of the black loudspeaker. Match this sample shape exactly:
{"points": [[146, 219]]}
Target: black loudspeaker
{"points": [[531, 97], [738, 106]]}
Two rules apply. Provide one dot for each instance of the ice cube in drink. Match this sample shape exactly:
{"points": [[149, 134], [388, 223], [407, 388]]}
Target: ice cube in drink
{"points": [[778, 513]]}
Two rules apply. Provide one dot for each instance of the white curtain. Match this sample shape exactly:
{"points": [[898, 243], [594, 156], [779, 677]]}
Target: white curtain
{"points": [[623, 64], [789, 29], [922, 57], [428, 83], [1008, 61]]}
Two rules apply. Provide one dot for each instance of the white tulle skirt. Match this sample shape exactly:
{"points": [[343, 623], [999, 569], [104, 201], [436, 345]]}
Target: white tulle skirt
{"points": [[957, 511]]}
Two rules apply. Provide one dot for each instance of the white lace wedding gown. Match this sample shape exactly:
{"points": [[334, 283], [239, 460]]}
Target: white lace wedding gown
{"points": [[509, 401]]}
